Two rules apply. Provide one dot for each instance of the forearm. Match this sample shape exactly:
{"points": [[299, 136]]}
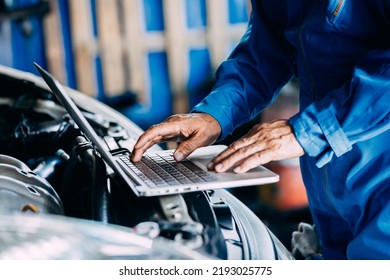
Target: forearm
{"points": [[252, 76]]}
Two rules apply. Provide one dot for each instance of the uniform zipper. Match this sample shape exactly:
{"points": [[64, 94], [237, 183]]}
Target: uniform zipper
{"points": [[305, 61], [312, 83], [335, 13], [338, 8], [328, 194]]}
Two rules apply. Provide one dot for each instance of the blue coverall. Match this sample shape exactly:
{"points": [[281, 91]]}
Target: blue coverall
{"points": [[340, 50]]}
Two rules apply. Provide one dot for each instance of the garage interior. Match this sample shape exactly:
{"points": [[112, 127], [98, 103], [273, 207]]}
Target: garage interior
{"points": [[149, 59]]}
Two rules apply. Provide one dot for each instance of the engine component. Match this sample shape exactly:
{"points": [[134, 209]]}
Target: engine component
{"points": [[22, 190], [85, 185], [184, 229]]}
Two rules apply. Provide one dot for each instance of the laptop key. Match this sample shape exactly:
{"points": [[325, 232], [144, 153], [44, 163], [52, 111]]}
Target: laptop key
{"points": [[165, 171]]}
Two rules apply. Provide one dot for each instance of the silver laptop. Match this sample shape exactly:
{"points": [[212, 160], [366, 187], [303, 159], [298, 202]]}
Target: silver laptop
{"points": [[158, 173]]}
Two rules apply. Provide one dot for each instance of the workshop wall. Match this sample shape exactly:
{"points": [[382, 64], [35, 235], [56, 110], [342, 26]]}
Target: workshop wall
{"points": [[146, 58]]}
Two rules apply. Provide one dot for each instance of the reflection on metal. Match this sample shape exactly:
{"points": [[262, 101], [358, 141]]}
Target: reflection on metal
{"points": [[24, 237]]}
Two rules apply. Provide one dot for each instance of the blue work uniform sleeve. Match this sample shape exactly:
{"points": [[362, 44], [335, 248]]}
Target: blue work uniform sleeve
{"points": [[252, 76], [357, 111]]}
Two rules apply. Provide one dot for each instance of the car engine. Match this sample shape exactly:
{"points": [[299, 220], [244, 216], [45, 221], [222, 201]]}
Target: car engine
{"points": [[53, 183]]}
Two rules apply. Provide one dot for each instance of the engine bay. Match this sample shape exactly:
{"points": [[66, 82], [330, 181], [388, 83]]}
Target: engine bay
{"points": [[48, 167]]}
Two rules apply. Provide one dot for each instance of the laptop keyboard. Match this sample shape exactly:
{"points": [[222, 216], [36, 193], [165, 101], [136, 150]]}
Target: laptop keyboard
{"points": [[163, 170]]}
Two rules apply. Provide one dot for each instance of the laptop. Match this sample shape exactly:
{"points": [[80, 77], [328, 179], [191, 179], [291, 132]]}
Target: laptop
{"points": [[158, 173]]}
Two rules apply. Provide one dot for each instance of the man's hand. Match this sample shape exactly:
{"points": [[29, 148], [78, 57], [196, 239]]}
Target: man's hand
{"points": [[192, 130], [263, 143]]}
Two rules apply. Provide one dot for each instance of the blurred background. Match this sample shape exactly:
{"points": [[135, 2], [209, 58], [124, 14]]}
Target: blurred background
{"points": [[149, 59]]}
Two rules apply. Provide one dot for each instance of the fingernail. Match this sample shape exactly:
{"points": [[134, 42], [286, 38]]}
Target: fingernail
{"points": [[218, 167], [178, 156], [237, 169], [210, 165]]}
